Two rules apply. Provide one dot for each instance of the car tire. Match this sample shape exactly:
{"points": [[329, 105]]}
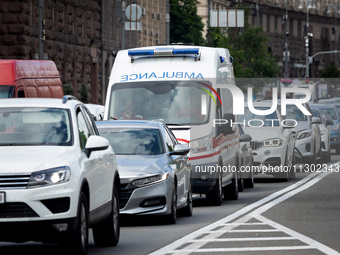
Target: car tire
{"points": [[76, 241], [215, 197], [337, 150], [240, 184], [187, 210], [249, 182], [329, 156], [172, 217], [106, 233], [231, 191]]}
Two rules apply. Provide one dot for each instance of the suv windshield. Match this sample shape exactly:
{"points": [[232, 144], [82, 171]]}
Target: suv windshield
{"points": [[328, 113], [6, 91], [251, 119], [34, 126], [127, 141], [177, 103]]}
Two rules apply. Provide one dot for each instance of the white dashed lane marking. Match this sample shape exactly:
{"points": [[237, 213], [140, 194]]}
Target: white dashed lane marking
{"points": [[248, 231]]}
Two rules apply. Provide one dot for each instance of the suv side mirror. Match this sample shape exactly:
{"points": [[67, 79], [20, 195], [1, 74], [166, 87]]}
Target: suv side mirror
{"points": [[289, 124], [316, 120], [96, 143], [329, 122]]}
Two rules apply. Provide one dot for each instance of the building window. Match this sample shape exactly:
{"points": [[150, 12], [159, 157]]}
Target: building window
{"points": [[268, 23], [299, 28]]}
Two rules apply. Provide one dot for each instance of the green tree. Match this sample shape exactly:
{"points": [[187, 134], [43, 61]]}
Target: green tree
{"points": [[68, 90], [248, 48], [83, 94], [185, 25], [330, 71]]}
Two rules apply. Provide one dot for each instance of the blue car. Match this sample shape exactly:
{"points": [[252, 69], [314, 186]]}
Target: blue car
{"points": [[330, 113]]}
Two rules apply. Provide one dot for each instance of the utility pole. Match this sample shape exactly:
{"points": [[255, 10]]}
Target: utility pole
{"points": [[286, 41], [41, 33], [308, 35], [167, 22]]}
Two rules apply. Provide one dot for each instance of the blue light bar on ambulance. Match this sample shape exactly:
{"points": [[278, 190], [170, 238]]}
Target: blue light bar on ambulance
{"points": [[163, 52]]}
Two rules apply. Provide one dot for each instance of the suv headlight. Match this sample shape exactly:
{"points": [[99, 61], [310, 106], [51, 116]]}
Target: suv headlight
{"points": [[202, 144], [323, 133], [334, 128], [149, 180], [303, 134], [271, 143], [50, 177]]}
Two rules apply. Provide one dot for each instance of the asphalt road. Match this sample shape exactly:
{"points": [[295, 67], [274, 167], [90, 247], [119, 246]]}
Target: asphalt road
{"points": [[300, 216]]}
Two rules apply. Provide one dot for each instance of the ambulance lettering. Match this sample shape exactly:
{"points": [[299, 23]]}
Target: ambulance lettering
{"points": [[153, 75]]}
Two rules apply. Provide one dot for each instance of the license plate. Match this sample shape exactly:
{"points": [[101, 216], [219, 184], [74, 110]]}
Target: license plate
{"points": [[2, 197]]}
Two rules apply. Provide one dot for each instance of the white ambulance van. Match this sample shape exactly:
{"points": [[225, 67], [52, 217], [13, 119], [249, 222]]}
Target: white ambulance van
{"points": [[177, 85]]}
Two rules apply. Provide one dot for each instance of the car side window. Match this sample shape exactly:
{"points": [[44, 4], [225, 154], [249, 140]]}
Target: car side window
{"points": [[84, 132], [172, 136], [168, 141], [90, 122]]}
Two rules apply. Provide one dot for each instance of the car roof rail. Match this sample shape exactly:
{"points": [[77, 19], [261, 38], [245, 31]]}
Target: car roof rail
{"points": [[68, 97]]}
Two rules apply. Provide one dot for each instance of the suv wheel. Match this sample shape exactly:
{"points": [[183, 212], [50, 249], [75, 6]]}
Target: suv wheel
{"points": [[215, 197], [106, 233], [231, 191], [77, 239]]}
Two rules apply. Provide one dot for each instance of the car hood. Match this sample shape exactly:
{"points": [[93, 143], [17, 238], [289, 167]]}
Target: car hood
{"points": [[132, 166], [263, 133], [27, 159], [301, 125]]}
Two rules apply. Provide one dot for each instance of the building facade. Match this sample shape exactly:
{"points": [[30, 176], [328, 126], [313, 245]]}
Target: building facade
{"points": [[80, 36], [323, 23]]}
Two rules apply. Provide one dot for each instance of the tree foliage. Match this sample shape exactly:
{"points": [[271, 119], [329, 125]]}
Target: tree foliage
{"points": [[185, 25], [248, 48], [330, 71]]}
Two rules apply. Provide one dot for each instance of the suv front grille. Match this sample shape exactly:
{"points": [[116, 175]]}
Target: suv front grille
{"points": [[16, 210], [14, 181]]}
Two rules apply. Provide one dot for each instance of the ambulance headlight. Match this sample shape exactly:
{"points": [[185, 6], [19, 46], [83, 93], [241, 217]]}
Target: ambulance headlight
{"points": [[201, 144]]}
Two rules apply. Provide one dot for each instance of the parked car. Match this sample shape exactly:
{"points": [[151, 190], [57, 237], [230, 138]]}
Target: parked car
{"points": [[247, 159], [336, 100], [326, 101], [330, 113], [154, 168], [307, 135], [325, 134], [337, 108], [58, 177], [272, 143]]}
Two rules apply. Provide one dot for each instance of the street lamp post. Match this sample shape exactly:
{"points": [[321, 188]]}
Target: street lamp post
{"points": [[336, 8], [286, 41], [308, 35]]}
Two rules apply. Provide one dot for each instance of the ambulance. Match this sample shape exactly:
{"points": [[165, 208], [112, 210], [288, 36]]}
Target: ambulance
{"points": [[181, 86]]}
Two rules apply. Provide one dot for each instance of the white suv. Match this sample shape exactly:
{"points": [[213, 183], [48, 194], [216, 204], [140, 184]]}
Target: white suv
{"points": [[58, 177]]}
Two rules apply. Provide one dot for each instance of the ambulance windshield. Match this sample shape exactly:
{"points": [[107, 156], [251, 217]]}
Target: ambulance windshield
{"points": [[172, 102]]}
